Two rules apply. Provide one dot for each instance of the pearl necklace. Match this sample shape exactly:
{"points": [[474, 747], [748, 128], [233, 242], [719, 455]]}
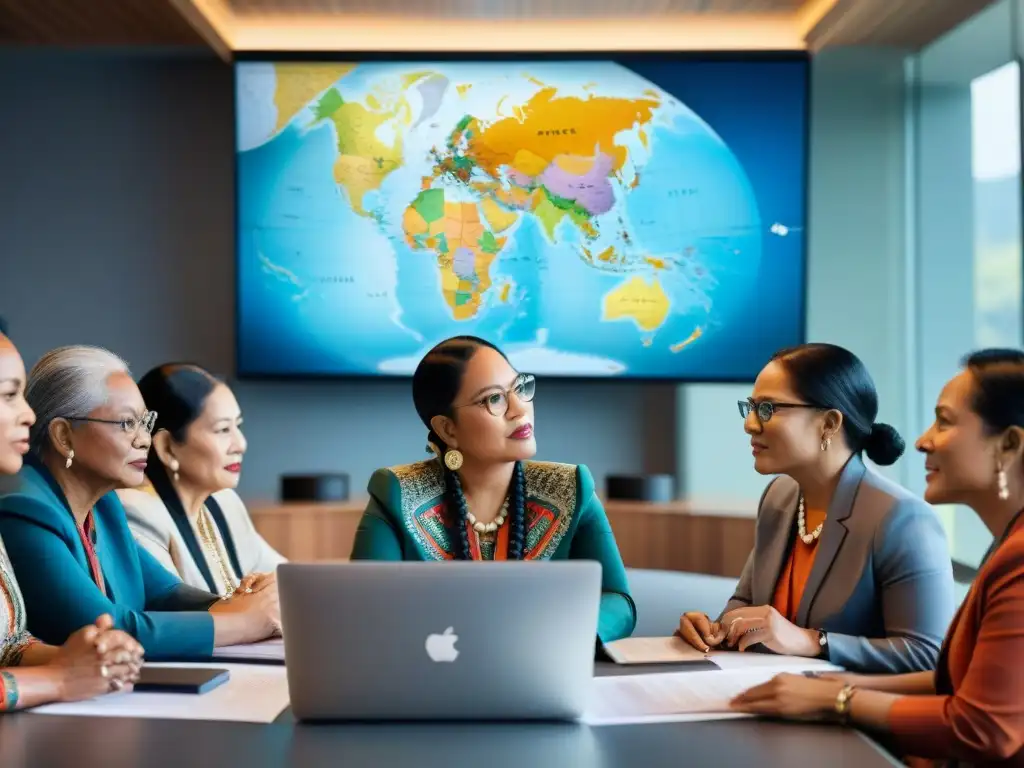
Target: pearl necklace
{"points": [[492, 526], [801, 525]]}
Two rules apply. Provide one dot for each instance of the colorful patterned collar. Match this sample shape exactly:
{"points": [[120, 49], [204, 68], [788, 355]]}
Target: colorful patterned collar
{"points": [[551, 505]]}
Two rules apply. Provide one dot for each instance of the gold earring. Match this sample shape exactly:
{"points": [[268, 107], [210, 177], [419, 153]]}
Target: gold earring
{"points": [[71, 457], [1001, 484], [453, 459], [826, 443], [174, 469]]}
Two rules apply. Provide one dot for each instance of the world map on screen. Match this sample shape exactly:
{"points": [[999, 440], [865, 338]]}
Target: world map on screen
{"points": [[572, 212]]}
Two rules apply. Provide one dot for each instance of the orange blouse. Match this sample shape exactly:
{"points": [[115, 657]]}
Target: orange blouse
{"points": [[790, 587], [978, 713]]}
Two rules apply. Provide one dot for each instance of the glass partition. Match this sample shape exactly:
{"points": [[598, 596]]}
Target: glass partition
{"points": [[995, 166], [967, 222]]}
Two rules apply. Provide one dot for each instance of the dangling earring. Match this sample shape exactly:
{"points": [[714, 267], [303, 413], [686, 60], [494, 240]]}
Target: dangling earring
{"points": [[71, 457], [174, 469], [1001, 484], [453, 459], [826, 443]]}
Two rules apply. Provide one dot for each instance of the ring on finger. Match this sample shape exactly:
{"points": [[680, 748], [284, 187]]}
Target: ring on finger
{"points": [[104, 671]]}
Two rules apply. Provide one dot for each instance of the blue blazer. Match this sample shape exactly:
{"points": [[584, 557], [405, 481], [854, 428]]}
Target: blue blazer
{"points": [[169, 619]]}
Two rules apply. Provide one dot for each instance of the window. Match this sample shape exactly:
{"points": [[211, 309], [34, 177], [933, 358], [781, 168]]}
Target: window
{"points": [[995, 167], [966, 233]]}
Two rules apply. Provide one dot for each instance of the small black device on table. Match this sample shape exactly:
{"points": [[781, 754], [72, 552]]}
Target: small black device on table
{"points": [[180, 679]]}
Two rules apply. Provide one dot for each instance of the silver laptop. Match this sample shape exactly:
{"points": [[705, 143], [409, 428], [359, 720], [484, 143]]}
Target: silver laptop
{"points": [[440, 641]]}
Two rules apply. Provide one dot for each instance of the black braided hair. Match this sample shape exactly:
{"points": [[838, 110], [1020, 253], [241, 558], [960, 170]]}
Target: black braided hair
{"points": [[455, 500], [517, 515]]}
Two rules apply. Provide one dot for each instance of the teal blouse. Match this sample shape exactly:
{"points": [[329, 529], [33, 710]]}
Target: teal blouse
{"points": [[407, 519], [168, 618]]}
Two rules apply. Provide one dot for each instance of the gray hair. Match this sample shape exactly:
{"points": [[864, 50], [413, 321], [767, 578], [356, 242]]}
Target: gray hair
{"points": [[68, 382]]}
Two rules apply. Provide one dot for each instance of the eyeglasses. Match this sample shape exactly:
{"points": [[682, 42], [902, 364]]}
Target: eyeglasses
{"points": [[128, 426], [766, 408], [496, 403]]}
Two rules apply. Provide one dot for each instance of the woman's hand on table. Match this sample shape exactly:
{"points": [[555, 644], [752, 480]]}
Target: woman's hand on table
{"points": [[97, 659], [794, 697], [763, 624], [699, 631]]}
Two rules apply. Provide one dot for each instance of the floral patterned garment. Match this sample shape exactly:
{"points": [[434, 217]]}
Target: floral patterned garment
{"points": [[13, 637]]}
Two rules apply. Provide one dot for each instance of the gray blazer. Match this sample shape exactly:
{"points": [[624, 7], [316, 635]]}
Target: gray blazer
{"points": [[881, 585]]}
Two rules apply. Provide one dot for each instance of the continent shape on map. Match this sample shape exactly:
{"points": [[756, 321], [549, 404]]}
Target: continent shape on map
{"points": [[463, 246], [298, 83], [431, 87], [364, 159], [559, 153], [641, 300]]}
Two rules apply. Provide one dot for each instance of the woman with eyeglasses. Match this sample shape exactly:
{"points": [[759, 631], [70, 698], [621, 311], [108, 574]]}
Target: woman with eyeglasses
{"points": [[970, 711], [66, 532], [480, 497], [188, 516], [847, 566], [96, 659]]}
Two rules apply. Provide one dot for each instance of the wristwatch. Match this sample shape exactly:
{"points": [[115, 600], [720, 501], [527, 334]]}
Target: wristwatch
{"points": [[822, 644]]}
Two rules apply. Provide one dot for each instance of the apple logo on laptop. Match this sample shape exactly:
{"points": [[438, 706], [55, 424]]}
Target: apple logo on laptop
{"points": [[441, 648]]}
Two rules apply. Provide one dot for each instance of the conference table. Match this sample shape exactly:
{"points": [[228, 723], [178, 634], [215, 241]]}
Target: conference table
{"points": [[45, 741]]}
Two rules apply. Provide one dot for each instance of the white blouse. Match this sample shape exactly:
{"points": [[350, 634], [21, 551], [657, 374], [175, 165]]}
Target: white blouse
{"points": [[155, 530]]}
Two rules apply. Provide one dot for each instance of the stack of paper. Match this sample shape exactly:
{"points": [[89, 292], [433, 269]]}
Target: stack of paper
{"points": [[268, 651], [253, 694]]}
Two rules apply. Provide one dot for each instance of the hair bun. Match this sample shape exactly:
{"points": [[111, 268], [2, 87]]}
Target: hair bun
{"points": [[884, 445]]}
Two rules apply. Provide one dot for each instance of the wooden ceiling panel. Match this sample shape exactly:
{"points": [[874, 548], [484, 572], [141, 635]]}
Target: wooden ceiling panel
{"points": [[910, 24], [93, 22], [499, 9]]}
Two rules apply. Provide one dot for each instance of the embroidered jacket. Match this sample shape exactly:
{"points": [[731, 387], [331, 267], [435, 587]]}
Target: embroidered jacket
{"points": [[407, 519]]}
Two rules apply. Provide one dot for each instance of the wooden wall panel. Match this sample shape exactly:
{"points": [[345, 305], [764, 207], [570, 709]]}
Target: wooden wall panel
{"points": [[675, 537]]}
